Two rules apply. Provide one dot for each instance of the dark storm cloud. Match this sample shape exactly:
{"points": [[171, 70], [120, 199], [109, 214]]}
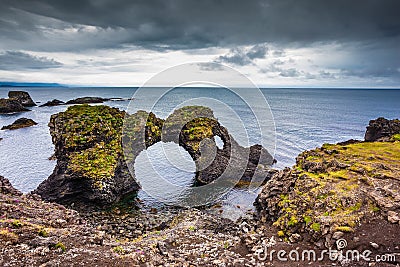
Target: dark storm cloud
{"points": [[15, 60], [182, 24]]}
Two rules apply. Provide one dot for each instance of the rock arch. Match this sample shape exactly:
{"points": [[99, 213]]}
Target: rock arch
{"points": [[96, 145]]}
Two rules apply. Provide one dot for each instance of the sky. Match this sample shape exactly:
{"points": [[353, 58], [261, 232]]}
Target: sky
{"points": [[276, 43]]}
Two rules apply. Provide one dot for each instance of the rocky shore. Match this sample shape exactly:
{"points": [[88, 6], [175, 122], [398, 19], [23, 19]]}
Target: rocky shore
{"points": [[347, 191]]}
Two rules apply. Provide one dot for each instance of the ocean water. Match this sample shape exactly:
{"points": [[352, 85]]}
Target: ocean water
{"points": [[303, 119]]}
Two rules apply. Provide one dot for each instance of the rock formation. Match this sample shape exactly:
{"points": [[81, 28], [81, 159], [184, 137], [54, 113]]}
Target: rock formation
{"points": [[91, 167], [87, 100], [382, 129], [333, 189], [52, 103], [20, 123], [11, 106], [195, 128], [23, 97]]}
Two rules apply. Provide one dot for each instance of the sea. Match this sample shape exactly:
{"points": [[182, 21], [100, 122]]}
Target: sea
{"points": [[296, 119]]}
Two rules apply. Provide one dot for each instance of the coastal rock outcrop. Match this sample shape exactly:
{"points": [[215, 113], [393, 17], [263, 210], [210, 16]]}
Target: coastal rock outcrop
{"points": [[52, 103], [20, 123], [195, 128], [382, 129], [11, 106], [23, 97], [94, 150], [333, 189], [90, 165], [87, 100]]}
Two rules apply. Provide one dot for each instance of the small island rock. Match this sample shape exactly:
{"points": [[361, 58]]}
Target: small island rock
{"points": [[52, 103], [11, 106], [23, 97], [20, 123]]}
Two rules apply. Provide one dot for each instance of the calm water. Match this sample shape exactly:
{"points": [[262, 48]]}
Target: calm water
{"points": [[304, 119]]}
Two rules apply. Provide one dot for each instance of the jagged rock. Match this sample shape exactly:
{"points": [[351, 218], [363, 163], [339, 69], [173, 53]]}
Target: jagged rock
{"points": [[7, 189], [23, 97], [382, 129], [87, 100], [20, 123], [52, 103], [11, 106]]}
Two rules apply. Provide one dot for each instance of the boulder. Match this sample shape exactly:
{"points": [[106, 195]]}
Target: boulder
{"points": [[23, 97], [52, 103], [11, 106], [87, 100], [382, 129], [20, 123]]}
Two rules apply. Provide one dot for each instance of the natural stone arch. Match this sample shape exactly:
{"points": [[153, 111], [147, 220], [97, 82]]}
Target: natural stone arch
{"points": [[96, 146]]}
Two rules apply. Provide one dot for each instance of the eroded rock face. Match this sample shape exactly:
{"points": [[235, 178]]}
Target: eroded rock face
{"points": [[382, 129], [11, 106], [23, 97], [90, 166], [333, 189], [195, 128], [20, 123]]}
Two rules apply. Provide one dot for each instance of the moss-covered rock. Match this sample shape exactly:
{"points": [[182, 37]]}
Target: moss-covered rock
{"points": [[94, 145], [195, 128], [333, 188], [90, 165]]}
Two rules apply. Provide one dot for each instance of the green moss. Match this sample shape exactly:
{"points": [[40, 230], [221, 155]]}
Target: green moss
{"points": [[345, 229], [281, 233], [396, 137], [92, 138], [119, 250], [61, 246], [43, 233], [16, 224], [316, 227], [307, 219]]}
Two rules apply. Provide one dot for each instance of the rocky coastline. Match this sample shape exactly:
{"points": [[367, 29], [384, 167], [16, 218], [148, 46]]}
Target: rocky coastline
{"points": [[87, 213]]}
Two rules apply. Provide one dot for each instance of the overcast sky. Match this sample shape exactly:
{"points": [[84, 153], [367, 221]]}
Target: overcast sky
{"points": [[349, 43]]}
